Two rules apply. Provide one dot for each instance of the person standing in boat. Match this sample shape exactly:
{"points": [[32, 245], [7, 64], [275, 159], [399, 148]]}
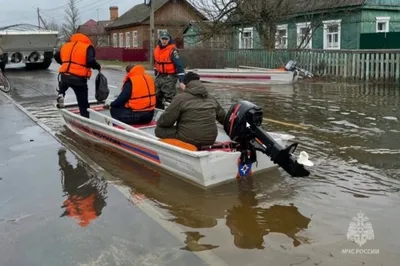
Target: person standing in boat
{"points": [[195, 111], [168, 69], [137, 100], [76, 57]]}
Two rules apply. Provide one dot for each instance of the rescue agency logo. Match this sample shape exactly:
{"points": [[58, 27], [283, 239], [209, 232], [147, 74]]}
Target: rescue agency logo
{"points": [[360, 231]]}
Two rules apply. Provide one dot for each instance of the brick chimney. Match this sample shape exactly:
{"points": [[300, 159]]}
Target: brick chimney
{"points": [[113, 13]]}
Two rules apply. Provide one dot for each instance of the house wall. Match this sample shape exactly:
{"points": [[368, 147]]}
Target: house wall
{"points": [[368, 20], [192, 39], [172, 17], [350, 27]]}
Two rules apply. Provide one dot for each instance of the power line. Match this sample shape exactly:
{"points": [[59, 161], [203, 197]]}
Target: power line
{"points": [[62, 6]]}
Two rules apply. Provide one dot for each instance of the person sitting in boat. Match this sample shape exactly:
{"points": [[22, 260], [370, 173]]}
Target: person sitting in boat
{"points": [[137, 100], [195, 112]]}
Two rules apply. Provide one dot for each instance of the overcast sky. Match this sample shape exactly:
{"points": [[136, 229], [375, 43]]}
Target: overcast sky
{"points": [[88, 9]]}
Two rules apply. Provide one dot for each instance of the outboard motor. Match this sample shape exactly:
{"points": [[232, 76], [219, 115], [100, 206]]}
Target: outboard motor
{"points": [[243, 125], [292, 66]]}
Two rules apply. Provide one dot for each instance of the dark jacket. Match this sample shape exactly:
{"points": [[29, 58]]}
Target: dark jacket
{"points": [[124, 96], [195, 112]]}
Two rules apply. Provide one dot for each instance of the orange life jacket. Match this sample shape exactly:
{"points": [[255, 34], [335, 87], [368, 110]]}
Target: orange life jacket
{"points": [[143, 97], [162, 59], [81, 208], [73, 56]]}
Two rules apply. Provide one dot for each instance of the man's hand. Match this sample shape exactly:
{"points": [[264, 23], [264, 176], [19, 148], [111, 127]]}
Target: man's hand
{"points": [[106, 106], [182, 86]]}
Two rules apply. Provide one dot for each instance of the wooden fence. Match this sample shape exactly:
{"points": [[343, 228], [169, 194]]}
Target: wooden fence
{"points": [[376, 65]]}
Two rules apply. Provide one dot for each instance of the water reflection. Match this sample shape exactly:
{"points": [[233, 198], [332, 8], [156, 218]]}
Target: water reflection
{"points": [[192, 242], [239, 203], [86, 194], [249, 223]]}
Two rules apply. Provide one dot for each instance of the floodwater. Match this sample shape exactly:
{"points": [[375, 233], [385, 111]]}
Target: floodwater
{"points": [[351, 133]]}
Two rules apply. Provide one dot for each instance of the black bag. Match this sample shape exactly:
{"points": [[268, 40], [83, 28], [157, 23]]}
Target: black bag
{"points": [[102, 90]]}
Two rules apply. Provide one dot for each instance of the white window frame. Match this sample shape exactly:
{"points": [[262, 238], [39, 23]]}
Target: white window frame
{"points": [[384, 20], [241, 42], [135, 39], [278, 44], [159, 31], [115, 40], [127, 39], [121, 40], [303, 25], [327, 23]]}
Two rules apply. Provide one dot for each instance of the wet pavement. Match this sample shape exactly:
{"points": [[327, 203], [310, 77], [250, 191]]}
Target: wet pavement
{"points": [[50, 204], [350, 131]]}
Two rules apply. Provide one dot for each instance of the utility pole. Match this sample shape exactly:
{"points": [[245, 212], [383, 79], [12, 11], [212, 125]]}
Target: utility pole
{"points": [[38, 17], [151, 33]]}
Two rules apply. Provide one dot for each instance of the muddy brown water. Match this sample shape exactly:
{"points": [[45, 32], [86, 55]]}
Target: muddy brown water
{"points": [[351, 132]]}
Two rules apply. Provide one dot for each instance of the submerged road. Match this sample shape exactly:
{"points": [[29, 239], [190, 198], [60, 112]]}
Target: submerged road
{"points": [[350, 131]]}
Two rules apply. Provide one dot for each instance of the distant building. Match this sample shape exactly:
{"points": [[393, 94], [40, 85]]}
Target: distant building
{"points": [[132, 29]]}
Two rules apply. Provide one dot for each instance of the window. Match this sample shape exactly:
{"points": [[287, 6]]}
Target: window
{"points": [[382, 24], [281, 36], [304, 35], [332, 34], [115, 40], [127, 40], [246, 38], [121, 40], [159, 32], [135, 39]]}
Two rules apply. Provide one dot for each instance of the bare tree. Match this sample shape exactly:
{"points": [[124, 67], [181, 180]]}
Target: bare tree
{"points": [[265, 15], [71, 24], [54, 26]]}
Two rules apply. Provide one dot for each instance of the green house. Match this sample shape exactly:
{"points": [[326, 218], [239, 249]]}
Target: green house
{"points": [[333, 25]]}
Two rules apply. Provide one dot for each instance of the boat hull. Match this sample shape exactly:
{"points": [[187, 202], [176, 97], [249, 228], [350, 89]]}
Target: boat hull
{"points": [[246, 76], [204, 168]]}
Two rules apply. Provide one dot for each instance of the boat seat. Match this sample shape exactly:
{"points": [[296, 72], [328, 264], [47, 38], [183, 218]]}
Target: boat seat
{"points": [[218, 146], [152, 123], [180, 144]]}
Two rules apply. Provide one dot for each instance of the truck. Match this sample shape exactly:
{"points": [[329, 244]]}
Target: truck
{"points": [[27, 44]]}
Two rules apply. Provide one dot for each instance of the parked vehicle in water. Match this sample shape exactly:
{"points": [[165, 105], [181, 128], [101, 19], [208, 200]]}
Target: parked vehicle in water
{"points": [[28, 44]]}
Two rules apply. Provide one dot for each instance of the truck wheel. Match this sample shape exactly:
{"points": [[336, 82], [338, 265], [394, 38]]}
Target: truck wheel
{"points": [[43, 65], [32, 66]]}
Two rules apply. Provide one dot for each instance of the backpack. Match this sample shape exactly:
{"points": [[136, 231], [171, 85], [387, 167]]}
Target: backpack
{"points": [[102, 90]]}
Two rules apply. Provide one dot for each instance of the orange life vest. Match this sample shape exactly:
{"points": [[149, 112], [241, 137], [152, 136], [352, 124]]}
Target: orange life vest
{"points": [[81, 208], [143, 97], [73, 56], [162, 59]]}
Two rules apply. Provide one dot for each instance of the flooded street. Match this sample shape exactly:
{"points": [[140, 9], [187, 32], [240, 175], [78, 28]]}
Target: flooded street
{"points": [[351, 133]]}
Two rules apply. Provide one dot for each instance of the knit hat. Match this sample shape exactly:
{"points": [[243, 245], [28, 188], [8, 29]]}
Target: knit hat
{"points": [[129, 67], [190, 76]]}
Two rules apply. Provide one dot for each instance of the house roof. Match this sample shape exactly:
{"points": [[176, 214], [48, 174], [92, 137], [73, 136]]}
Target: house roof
{"points": [[139, 13], [92, 27], [302, 6], [287, 8]]}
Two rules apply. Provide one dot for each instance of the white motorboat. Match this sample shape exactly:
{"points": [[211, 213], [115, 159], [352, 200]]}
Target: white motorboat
{"points": [[207, 167], [252, 75]]}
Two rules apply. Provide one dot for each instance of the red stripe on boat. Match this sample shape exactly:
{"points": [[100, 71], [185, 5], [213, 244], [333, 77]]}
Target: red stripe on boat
{"points": [[235, 77]]}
